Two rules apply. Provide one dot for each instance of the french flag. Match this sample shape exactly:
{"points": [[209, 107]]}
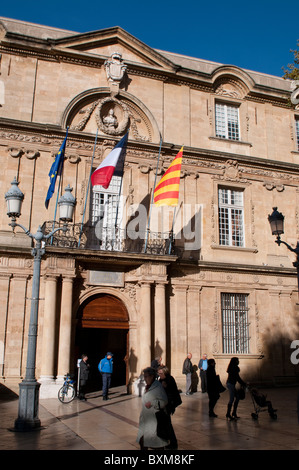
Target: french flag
{"points": [[103, 174]]}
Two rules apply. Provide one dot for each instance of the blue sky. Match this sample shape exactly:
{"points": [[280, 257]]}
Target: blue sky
{"points": [[256, 35]]}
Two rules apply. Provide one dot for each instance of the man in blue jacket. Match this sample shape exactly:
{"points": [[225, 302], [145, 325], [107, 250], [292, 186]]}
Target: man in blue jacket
{"points": [[106, 368]]}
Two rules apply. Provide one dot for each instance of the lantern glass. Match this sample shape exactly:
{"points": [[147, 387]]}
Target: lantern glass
{"points": [[14, 198], [66, 205], [276, 220], [66, 212]]}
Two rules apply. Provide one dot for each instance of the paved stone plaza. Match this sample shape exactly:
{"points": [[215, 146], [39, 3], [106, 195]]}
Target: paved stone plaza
{"points": [[112, 425]]}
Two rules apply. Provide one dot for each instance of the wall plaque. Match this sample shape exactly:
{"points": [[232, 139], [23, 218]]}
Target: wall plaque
{"points": [[106, 278]]}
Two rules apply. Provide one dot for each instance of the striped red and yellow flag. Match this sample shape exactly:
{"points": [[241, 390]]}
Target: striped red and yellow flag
{"points": [[166, 192]]}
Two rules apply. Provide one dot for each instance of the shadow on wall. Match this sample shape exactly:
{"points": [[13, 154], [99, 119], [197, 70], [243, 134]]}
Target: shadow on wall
{"points": [[279, 363]]}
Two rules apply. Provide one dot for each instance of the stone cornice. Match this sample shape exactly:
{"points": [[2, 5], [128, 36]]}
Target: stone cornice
{"points": [[49, 50], [234, 267], [48, 137], [137, 259]]}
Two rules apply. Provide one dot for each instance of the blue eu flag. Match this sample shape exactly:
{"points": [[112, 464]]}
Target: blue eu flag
{"points": [[55, 170]]}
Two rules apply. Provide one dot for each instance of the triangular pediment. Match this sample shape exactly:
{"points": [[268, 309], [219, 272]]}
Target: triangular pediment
{"points": [[108, 41]]}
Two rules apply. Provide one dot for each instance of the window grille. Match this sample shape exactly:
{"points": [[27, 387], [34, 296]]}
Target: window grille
{"points": [[297, 132], [227, 121], [106, 214], [231, 231], [235, 326]]}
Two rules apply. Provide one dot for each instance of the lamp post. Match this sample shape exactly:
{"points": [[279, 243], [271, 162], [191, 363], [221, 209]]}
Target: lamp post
{"points": [[29, 388], [276, 220]]}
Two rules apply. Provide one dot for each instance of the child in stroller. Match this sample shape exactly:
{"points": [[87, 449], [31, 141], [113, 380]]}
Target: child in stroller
{"points": [[261, 403]]}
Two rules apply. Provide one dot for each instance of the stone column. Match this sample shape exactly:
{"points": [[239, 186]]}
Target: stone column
{"points": [[160, 322], [145, 325], [17, 326], [272, 330], [48, 342], [4, 300], [178, 330], [65, 329], [288, 322], [193, 326]]}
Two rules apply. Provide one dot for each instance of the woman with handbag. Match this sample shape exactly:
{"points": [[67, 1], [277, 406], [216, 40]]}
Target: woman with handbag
{"points": [[154, 401], [234, 397]]}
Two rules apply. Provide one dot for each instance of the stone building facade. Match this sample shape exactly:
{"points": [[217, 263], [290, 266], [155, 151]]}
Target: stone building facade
{"points": [[223, 287]]}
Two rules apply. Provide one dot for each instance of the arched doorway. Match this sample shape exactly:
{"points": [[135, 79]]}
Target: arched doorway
{"points": [[103, 325]]}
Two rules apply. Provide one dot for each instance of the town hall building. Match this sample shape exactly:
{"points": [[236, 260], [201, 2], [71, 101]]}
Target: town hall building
{"points": [[129, 277]]}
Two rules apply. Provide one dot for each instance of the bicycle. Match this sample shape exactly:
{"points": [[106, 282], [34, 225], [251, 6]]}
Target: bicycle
{"points": [[67, 392]]}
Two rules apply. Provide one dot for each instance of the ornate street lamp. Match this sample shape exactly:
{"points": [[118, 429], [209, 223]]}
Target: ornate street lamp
{"points": [[29, 388], [276, 220], [66, 204]]}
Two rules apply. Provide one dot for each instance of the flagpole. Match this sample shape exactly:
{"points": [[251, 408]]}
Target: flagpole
{"points": [[171, 236], [172, 227], [119, 192], [149, 218], [59, 184], [117, 208], [87, 190], [55, 212]]}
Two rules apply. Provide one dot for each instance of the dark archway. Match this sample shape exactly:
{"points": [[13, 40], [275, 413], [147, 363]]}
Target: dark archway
{"points": [[103, 325]]}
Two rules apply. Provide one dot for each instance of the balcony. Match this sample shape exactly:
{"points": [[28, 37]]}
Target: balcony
{"points": [[110, 239]]}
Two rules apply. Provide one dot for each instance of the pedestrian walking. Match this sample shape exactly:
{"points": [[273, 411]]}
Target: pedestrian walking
{"points": [[233, 371], [153, 400], [214, 387], [106, 369]]}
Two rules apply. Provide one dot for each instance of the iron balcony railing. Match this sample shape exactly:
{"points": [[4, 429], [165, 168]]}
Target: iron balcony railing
{"points": [[115, 239]]}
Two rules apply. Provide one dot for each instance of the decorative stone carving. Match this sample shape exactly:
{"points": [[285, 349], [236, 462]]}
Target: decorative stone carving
{"points": [[232, 170], [32, 154], [271, 186], [14, 152], [115, 70], [74, 159], [215, 347], [295, 93], [227, 90], [231, 88], [86, 112], [112, 116], [110, 121], [18, 152], [145, 168]]}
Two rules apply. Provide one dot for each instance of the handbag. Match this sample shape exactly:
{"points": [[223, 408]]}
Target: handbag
{"points": [[221, 389], [176, 400], [241, 393], [163, 424]]}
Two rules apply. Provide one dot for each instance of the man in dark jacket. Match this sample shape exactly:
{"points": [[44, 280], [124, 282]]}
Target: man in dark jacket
{"points": [[106, 368], [187, 370], [83, 377]]}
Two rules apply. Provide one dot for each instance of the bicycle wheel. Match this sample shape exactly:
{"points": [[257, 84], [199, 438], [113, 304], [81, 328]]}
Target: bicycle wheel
{"points": [[66, 394]]}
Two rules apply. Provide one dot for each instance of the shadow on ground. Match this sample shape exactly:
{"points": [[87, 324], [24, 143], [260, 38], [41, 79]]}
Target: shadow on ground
{"points": [[6, 394]]}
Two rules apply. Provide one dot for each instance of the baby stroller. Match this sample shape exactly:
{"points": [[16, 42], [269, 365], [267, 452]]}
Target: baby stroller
{"points": [[260, 403]]}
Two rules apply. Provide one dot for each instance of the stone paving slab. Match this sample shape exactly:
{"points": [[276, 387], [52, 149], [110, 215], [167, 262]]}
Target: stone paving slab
{"points": [[112, 425]]}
